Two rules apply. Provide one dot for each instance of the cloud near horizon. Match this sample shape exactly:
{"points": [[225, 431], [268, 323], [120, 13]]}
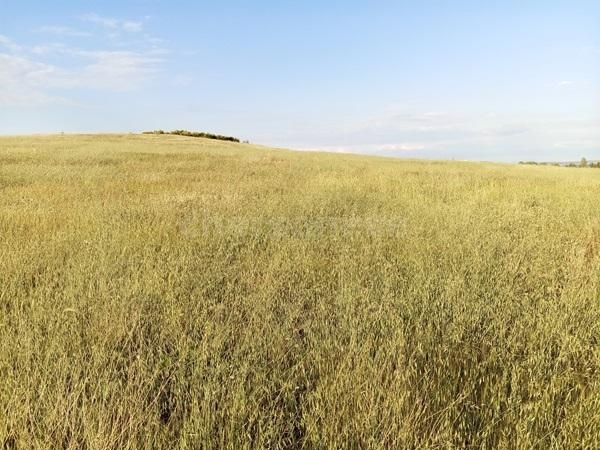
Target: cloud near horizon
{"points": [[424, 134]]}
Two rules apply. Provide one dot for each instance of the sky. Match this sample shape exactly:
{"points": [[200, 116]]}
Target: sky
{"points": [[495, 80]]}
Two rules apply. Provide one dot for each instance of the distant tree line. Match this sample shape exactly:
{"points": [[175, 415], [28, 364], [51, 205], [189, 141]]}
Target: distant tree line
{"points": [[583, 163], [200, 134]]}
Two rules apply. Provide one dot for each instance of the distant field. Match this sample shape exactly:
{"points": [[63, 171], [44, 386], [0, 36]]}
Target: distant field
{"points": [[169, 292]]}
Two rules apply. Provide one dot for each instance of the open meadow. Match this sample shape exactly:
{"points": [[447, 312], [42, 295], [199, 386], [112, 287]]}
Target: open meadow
{"points": [[162, 291]]}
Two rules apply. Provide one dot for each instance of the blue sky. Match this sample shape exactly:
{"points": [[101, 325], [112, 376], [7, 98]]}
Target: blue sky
{"points": [[502, 81]]}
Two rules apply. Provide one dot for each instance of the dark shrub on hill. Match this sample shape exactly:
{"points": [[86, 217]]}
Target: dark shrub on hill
{"points": [[200, 134]]}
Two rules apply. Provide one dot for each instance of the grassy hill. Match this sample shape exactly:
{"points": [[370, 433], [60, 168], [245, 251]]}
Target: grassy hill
{"points": [[161, 291]]}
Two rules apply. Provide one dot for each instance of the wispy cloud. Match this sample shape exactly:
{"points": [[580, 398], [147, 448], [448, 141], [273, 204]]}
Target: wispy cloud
{"points": [[561, 84], [49, 48], [100, 70], [182, 80], [9, 44], [106, 22], [22, 81], [505, 130], [115, 70], [431, 134], [403, 147], [590, 50], [132, 27], [63, 31], [112, 23], [47, 72]]}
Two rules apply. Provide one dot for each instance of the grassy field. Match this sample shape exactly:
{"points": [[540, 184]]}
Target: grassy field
{"points": [[173, 292]]}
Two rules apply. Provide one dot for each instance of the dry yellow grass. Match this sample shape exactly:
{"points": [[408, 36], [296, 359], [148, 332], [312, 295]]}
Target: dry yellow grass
{"points": [[172, 292]]}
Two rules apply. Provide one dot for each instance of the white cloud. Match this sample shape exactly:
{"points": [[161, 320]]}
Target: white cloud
{"points": [[409, 127], [132, 27], [561, 84], [22, 80], [28, 77], [590, 50], [505, 130], [32, 73], [113, 24], [63, 31], [115, 70], [46, 49], [9, 44], [103, 70], [577, 144], [106, 22], [403, 147], [461, 134], [153, 40], [182, 80]]}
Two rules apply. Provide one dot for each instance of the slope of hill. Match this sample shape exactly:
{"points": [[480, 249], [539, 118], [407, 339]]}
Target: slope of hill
{"points": [[164, 291]]}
